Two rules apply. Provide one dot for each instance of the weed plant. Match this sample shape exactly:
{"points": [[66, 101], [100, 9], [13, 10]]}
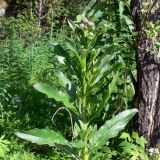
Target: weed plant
{"points": [[85, 95], [28, 56]]}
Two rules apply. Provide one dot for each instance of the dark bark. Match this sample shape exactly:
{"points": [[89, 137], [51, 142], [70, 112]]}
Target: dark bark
{"points": [[148, 70]]}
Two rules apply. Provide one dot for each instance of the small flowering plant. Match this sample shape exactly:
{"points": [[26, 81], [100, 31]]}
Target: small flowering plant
{"points": [[154, 153], [85, 94], [133, 146]]}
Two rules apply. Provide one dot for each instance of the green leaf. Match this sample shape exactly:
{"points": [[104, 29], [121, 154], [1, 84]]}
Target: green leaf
{"points": [[102, 62], [43, 137], [111, 88], [4, 146], [99, 68], [72, 47], [98, 156], [129, 22], [69, 86], [98, 14], [135, 135], [48, 137], [76, 130], [59, 96], [112, 127], [89, 6], [125, 136], [79, 18], [64, 80], [139, 140], [127, 146], [77, 144], [68, 149], [121, 8], [91, 131], [72, 25], [107, 94]]}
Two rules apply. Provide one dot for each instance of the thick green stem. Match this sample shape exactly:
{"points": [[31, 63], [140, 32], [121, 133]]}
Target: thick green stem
{"points": [[85, 149], [85, 154]]}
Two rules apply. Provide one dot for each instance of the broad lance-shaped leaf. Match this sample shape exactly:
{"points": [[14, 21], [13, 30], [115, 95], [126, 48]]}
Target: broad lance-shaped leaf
{"points": [[78, 144], [71, 45], [59, 96], [64, 80], [100, 68], [48, 137], [111, 88], [72, 25], [43, 137], [69, 86], [112, 127], [89, 6]]}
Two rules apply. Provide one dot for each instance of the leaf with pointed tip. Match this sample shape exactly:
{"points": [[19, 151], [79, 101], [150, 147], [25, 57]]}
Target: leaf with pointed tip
{"points": [[69, 86], [70, 44], [64, 80], [79, 18], [77, 144], [107, 94], [99, 68], [43, 137], [111, 128], [48, 137], [111, 88], [89, 6], [68, 149], [59, 96], [72, 25]]}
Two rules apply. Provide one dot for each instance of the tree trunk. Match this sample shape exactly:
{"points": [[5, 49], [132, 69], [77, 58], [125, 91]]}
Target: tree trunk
{"points": [[146, 18]]}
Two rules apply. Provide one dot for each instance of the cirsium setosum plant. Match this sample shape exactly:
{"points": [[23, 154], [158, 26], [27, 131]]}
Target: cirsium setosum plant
{"points": [[85, 94]]}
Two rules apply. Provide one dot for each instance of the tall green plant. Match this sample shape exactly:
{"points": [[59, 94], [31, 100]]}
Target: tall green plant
{"points": [[84, 94]]}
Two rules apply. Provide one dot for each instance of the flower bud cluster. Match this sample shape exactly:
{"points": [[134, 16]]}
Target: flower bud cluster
{"points": [[88, 26], [85, 23], [153, 151]]}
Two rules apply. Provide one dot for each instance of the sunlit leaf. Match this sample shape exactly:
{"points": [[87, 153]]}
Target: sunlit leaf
{"points": [[112, 127], [43, 136], [125, 136], [89, 6], [77, 144], [53, 92], [107, 94], [72, 47], [72, 25], [48, 137]]}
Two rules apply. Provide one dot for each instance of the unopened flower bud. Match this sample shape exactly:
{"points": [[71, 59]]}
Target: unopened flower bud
{"points": [[85, 27], [90, 38], [85, 20], [91, 34], [82, 25], [91, 24]]}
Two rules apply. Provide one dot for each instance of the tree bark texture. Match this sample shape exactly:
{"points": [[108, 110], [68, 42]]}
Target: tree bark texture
{"points": [[146, 17]]}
